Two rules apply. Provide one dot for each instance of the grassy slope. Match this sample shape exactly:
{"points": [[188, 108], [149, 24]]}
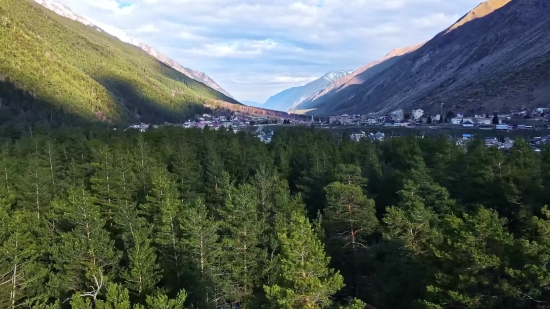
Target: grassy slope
{"points": [[50, 65]]}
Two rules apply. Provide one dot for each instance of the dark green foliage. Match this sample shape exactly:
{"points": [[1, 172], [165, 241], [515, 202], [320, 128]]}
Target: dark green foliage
{"points": [[176, 218]]}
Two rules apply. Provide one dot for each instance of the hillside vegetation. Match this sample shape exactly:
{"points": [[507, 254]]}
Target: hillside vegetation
{"points": [[58, 70]]}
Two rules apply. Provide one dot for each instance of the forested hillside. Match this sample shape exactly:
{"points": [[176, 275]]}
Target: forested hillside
{"points": [[57, 70], [176, 218]]}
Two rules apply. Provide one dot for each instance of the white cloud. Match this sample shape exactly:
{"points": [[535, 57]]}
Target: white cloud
{"points": [[149, 28], [274, 44]]}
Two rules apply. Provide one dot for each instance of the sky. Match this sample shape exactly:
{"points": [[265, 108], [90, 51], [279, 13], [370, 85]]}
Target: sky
{"points": [[257, 48]]}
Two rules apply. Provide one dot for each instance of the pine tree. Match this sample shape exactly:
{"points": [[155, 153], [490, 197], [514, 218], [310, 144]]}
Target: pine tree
{"points": [[35, 182], [187, 169], [22, 274], [142, 273], [349, 219], [164, 210], [84, 255], [303, 279], [243, 259], [201, 250]]}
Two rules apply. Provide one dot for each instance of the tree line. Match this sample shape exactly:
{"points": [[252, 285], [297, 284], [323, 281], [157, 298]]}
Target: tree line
{"points": [[184, 218]]}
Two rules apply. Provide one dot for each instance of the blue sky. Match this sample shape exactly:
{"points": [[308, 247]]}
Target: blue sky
{"points": [[256, 48]]}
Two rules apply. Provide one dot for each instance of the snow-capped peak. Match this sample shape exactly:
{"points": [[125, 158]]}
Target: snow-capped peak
{"points": [[63, 10], [333, 76]]}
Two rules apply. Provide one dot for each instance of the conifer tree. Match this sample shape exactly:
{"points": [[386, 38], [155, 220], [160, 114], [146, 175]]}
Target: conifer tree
{"points": [[201, 251], [164, 210], [142, 273], [243, 259], [35, 182], [303, 279], [349, 219], [105, 183], [187, 169], [22, 274], [84, 255]]}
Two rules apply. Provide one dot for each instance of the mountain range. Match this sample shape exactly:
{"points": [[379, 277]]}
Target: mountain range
{"points": [[69, 71], [65, 11], [495, 57], [287, 99]]}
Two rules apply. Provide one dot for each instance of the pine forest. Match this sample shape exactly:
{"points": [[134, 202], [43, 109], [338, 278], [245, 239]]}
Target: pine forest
{"points": [[189, 218]]}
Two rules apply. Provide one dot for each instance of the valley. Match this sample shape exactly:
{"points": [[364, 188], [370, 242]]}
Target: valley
{"points": [[419, 180]]}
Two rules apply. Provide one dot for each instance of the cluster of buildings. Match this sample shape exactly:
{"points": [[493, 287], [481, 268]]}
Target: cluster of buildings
{"points": [[236, 122], [396, 118], [507, 142], [400, 118]]}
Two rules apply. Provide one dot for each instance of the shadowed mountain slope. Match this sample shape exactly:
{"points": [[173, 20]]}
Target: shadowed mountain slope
{"points": [[496, 57], [69, 68]]}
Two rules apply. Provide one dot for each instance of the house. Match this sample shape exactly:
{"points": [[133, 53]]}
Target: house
{"points": [[357, 135], [397, 115], [378, 136], [459, 114], [371, 121], [467, 123], [484, 121], [417, 114], [227, 124], [345, 119], [332, 119], [456, 120]]}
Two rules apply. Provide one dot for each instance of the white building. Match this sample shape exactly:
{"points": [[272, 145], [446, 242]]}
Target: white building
{"points": [[344, 119], [484, 121], [456, 120], [397, 115], [417, 114]]}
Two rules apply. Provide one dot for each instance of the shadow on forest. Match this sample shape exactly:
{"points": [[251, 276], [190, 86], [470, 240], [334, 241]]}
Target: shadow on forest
{"points": [[21, 108]]}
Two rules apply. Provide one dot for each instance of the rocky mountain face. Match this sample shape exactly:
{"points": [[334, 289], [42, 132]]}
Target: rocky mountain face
{"points": [[347, 85], [289, 98], [497, 57], [65, 11]]}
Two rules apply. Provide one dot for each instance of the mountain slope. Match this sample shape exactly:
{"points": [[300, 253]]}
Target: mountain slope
{"points": [[65, 11], [55, 68], [288, 98], [496, 57], [345, 86]]}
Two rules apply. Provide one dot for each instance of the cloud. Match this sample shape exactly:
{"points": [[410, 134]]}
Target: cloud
{"points": [[149, 28], [256, 48]]}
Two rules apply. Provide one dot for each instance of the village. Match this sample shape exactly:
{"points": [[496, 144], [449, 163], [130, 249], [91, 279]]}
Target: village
{"points": [[417, 117], [514, 120]]}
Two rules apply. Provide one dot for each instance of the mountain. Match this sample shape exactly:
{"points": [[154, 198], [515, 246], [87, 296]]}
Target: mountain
{"points": [[65, 72], [65, 11], [495, 57], [288, 98], [252, 103], [346, 85]]}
